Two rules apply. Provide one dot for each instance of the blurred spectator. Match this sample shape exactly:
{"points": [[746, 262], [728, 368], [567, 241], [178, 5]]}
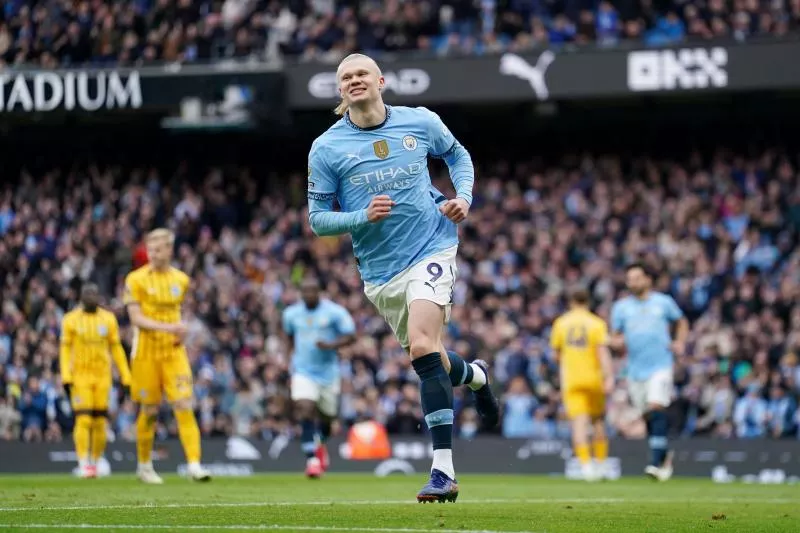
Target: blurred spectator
{"points": [[404, 421], [717, 404], [33, 409], [10, 420], [780, 412], [519, 409], [750, 414]]}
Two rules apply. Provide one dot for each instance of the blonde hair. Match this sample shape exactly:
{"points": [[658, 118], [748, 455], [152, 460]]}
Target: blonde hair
{"points": [[159, 234], [341, 109]]}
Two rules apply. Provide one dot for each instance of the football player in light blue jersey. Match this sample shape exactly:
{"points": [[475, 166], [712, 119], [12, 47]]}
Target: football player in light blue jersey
{"points": [[316, 328], [641, 323], [374, 162]]}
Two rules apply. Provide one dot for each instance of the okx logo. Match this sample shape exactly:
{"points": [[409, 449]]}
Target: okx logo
{"points": [[514, 65], [687, 68]]}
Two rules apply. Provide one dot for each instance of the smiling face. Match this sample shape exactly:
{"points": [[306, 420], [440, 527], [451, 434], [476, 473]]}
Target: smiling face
{"points": [[360, 81]]}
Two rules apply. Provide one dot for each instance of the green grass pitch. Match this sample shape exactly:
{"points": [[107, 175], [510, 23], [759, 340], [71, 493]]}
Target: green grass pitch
{"points": [[344, 503]]}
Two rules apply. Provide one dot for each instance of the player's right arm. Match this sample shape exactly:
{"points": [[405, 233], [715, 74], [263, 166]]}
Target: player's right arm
{"points": [[617, 340], [135, 294], [288, 330], [322, 186], [65, 349]]}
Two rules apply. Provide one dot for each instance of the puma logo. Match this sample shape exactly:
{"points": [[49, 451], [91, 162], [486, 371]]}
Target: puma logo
{"points": [[514, 65]]}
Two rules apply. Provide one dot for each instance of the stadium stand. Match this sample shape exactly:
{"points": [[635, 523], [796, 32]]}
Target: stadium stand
{"points": [[720, 229], [101, 33]]}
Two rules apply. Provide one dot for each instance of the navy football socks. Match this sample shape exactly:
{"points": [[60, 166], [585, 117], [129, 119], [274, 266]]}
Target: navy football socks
{"points": [[460, 371], [307, 438], [436, 393], [324, 429], [658, 428]]}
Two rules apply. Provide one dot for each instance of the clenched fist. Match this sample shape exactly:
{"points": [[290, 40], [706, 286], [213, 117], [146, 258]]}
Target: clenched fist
{"points": [[379, 208], [456, 210]]}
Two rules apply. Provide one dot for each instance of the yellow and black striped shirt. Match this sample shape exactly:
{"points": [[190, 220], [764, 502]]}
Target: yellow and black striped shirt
{"points": [[160, 295]]}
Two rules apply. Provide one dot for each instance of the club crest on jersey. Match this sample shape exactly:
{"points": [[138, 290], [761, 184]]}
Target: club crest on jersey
{"points": [[410, 143], [102, 330], [309, 321], [381, 149], [175, 290]]}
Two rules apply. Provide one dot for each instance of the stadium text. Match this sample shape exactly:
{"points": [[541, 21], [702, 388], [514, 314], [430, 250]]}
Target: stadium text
{"points": [[86, 91], [404, 82], [688, 68]]}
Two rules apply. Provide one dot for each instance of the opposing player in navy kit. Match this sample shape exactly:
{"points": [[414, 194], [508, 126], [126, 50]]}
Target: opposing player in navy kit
{"points": [[374, 162]]}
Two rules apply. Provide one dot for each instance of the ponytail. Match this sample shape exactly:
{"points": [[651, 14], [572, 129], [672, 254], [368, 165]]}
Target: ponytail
{"points": [[341, 109]]}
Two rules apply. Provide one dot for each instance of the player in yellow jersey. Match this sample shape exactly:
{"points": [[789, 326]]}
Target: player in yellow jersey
{"points": [[154, 294], [88, 335], [579, 339]]}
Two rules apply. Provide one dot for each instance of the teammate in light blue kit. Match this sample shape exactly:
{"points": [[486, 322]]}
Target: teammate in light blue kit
{"points": [[374, 162], [641, 323], [316, 328]]}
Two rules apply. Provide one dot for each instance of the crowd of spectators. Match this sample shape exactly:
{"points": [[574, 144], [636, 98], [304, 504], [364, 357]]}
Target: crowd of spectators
{"points": [[721, 232], [104, 33]]}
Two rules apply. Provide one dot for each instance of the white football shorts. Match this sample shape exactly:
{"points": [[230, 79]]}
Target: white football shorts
{"points": [[432, 279], [326, 397], [657, 389]]}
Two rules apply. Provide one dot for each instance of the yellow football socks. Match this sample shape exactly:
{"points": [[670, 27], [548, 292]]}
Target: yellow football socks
{"points": [[601, 450], [81, 434], [98, 438], [189, 433], [145, 434], [582, 452]]}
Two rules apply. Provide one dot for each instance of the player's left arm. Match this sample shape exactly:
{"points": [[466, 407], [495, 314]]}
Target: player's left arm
{"points": [[345, 327], [186, 282], [443, 145], [604, 356], [678, 319], [118, 352]]}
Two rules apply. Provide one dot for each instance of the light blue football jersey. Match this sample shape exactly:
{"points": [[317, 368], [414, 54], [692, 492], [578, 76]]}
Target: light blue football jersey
{"points": [[352, 165], [327, 322], [645, 324]]}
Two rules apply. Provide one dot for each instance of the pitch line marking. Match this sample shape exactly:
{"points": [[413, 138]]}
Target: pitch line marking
{"points": [[250, 527], [533, 501], [296, 503]]}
